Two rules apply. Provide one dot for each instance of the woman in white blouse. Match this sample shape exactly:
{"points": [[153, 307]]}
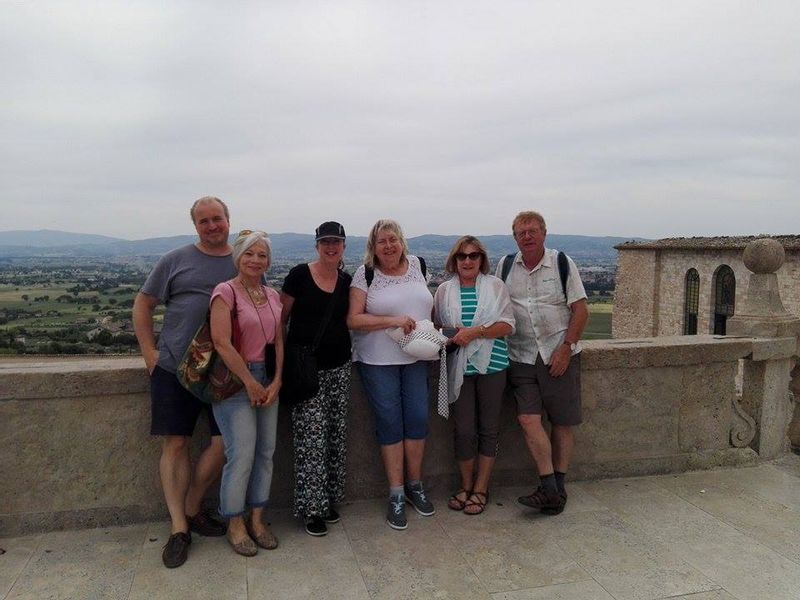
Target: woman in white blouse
{"points": [[387, 292]]}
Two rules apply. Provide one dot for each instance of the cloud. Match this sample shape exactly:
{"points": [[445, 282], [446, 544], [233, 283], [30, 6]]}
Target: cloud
{"points": [[615, 118]]}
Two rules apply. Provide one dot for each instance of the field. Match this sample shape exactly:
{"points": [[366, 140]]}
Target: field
{"points": [[82, 306], [599, 325]]}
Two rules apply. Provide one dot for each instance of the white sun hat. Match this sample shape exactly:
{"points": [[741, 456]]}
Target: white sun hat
{"points": [[425, 342]]}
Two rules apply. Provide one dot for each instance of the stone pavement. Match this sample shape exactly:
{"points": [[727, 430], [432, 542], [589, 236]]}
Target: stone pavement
{"points": [[711, 535]]}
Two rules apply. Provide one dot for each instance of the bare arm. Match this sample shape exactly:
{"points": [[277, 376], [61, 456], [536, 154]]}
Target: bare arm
{"points": [[275, 385], [221, 336], [467, 334], [143, 308], [359, 320], [287, 302], [577, 321]]}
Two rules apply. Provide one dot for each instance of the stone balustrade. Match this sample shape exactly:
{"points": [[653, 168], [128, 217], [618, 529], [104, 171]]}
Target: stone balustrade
{"points": [[77, 453]]}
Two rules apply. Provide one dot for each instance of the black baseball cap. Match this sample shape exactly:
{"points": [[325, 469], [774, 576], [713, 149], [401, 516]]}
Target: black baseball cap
{"points": [[330, 229]]}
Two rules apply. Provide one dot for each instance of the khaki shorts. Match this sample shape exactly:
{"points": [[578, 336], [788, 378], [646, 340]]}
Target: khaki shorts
{"points": [[537, 392]]}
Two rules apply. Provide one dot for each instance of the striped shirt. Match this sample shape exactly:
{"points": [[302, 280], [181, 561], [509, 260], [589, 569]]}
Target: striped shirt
{"points": [[499, 359]]}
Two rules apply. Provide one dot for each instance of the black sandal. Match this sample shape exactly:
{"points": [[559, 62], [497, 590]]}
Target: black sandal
{"points": [[481, 498], [456, 503]]}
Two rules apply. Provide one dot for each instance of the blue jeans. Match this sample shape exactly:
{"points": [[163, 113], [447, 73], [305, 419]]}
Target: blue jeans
{"points": [[248, 434], [398, 395]]}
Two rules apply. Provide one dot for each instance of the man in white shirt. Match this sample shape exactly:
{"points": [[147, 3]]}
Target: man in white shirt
{"points": [[544, 354]]}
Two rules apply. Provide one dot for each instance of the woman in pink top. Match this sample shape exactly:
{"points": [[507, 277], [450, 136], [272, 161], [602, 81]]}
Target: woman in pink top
{"points": [[247, 312]]}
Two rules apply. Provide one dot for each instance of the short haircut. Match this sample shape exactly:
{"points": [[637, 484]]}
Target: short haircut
{"points": [[528, 215], [207, 200], [245, 240], [383, 225], [450, 263]]}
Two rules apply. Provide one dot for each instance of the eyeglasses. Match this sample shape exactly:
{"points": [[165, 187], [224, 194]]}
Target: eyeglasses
{"points": [[523, 233], [472, 256]]}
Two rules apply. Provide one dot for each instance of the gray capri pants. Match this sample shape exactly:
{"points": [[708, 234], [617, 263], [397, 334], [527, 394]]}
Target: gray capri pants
{"points": [[476, 412]]}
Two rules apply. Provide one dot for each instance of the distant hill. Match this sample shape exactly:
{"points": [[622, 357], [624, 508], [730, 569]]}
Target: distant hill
{"points": [[284, 245], [46, 238]]}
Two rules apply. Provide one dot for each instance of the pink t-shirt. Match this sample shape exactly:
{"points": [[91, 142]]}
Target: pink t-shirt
{"points": [[256, 323]]}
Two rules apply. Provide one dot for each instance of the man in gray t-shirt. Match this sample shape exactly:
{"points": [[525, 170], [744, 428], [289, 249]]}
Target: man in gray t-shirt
{"points": [[183, 281]]}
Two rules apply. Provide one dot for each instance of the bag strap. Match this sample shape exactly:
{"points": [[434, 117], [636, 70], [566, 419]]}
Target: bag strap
{"points": [[236, 333], [508, 262], [328, 313], [563, 271]]}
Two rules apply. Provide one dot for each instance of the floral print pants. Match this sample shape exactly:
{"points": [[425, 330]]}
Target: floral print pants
{"points": [[320, 444]]}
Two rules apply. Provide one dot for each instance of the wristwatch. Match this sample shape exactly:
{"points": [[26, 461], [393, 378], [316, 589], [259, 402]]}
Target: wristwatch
{"points": [[572, 345]]}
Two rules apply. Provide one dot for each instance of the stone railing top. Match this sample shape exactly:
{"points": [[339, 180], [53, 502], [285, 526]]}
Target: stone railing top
{"points": [[61, 378]]}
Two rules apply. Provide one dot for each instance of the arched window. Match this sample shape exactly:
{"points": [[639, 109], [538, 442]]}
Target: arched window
{"points": [[691, 303], [724, 297]]}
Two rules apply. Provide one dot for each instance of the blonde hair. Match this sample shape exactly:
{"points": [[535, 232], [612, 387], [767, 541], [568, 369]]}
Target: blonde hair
{"points": [[383, 225], [450, 263], [528, 215], [244, 240]]}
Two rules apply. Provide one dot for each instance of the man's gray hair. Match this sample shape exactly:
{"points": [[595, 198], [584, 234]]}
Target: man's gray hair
{"points": [[206, 200]]}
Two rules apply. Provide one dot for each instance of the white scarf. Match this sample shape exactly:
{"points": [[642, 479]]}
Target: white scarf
{"points": [[494, 305]]}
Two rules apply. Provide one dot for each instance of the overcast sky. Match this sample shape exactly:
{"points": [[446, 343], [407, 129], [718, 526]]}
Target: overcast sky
{"points": [[652, 119]]}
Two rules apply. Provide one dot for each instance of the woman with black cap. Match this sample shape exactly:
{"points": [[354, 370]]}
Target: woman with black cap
{"points": [[320, 423]]}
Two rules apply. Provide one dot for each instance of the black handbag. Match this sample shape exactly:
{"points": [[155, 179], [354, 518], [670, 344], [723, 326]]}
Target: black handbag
{"points": [[300, 376]]}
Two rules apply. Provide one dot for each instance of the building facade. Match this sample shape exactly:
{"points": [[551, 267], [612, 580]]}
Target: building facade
{"points": [[684, 286]]}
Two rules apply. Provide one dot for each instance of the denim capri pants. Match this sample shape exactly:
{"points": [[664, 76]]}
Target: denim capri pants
{"points": [[249, 436], [398, 395]]}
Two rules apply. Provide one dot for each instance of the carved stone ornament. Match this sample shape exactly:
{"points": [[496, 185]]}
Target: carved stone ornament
{"points": [[743, 427]]}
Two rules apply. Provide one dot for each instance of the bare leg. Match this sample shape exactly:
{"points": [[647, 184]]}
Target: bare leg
{"points": [[414, 452], [563, 440], [485, 466], [175, 470], [257, 521], [206, 472], [392, 456], [237, 532], [467, 468], [538, 442]]}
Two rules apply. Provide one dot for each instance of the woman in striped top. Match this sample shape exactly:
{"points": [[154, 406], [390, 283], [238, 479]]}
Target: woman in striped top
{"points": [[478, 306]]}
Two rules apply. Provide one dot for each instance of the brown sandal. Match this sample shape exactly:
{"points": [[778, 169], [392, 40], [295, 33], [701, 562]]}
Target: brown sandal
{"points": [[481, 498], [456, 503]]}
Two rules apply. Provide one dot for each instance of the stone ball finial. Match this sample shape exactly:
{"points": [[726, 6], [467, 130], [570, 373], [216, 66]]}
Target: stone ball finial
{"points": [[764, 255]]}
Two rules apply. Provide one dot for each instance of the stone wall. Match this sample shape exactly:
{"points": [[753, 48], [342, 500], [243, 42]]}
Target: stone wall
{"points": [[635, 294], [77, 452], [648, 277]]}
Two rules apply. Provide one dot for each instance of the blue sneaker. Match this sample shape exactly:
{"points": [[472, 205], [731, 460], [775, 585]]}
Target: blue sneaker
{"points": [[417, 498], [396, 514]]}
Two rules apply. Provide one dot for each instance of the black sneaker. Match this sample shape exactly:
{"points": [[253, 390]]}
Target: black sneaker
{"points": [[316, 526], [396, 513], [332, 516], [203, 523], [176, 550], [417, 498]]}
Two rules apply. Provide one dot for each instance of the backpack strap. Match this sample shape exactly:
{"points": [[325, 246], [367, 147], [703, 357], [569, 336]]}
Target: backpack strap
{"points": [[563, 271], [508, 262], [369, 272]]}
